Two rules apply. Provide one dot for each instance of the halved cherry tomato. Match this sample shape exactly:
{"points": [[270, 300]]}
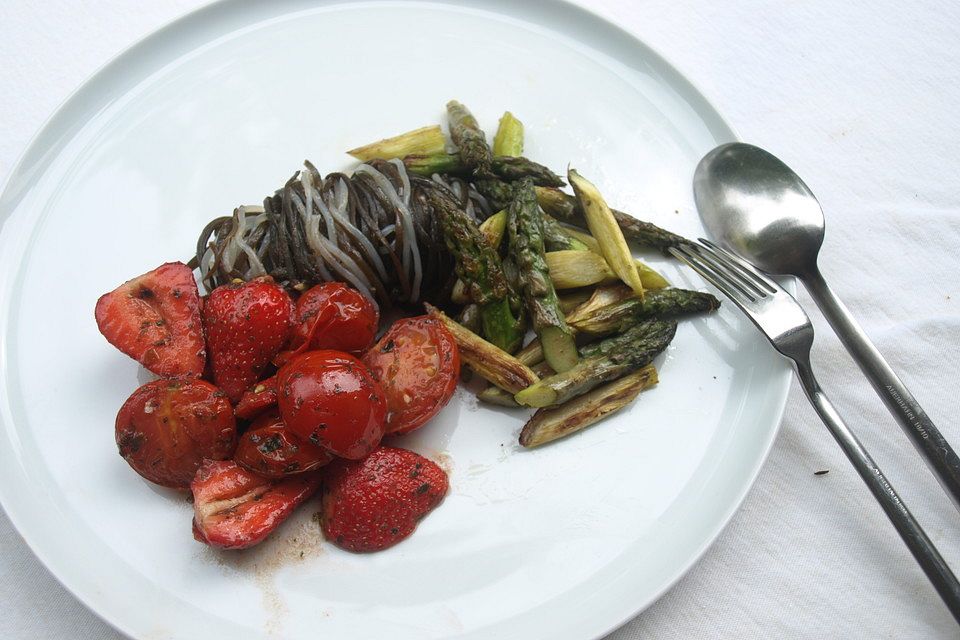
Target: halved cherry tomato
{"points": [[350, 324], [418, 365], [167, 427], [236, 509], [257, 399], [270, 449], [330, 399]]}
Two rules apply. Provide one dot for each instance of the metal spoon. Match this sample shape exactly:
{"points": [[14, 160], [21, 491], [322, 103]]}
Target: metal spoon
{"points": [[756, 206]]}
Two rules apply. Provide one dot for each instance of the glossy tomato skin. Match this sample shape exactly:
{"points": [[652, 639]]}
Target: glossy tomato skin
{"points": [[270, 449], [236, 509], [167, 427], [334, 316], [417, 364], [330, 399]]}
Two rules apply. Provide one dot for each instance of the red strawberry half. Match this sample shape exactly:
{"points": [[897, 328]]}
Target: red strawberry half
{"points": [[235, 509], [247, 324], [155, 319], [374, 503]]}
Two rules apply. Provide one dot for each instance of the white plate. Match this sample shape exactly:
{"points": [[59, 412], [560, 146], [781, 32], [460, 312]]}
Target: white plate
{"points": [[219, 109]]}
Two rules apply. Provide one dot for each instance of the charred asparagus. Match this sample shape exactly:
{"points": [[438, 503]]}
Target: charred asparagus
{"points": [[470, 139], [495, 395], [525, 226], [549, 424], [493, 229], [478, 264], [565, 207], [613, 358], [503, 169], [619, 315], [487, 360]]}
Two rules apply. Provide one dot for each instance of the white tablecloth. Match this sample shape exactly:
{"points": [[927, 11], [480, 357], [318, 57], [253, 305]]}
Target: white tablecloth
{"points": [[861, 98]]}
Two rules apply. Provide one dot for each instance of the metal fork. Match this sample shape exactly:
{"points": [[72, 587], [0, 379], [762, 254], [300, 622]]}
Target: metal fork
{"points": [[779, 316]]}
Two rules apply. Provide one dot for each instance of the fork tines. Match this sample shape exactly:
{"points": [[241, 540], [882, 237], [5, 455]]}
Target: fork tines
{"points": [[725, 271]]}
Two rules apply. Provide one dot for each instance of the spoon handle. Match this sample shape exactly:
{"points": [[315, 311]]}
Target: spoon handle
{"points": [[909, 529], [928, 440]]}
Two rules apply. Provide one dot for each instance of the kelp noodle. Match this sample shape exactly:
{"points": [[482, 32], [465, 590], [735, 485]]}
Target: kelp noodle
{"points": [[374, 230]]}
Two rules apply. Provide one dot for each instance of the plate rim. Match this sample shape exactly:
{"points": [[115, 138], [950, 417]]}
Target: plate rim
{"points": [[51, 131]]}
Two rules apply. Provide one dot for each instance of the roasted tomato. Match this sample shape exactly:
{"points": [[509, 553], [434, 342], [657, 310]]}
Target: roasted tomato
{"points": [[418, 365], [270, 449], [167, 427], [236, 509], [257, 399], [334, 316], [330, 399]]}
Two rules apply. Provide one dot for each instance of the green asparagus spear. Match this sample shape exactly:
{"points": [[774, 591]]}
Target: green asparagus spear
{"points": [[509, 138], [493, 229], [622, 314], [504, 169], [526, 246], [615, 357], [470, 139], [565, 207], [496, 191], [511, 169], [426, 140], [615, 308], [512, 274], [623, 342], [426, 166], [478, 265], [551, 423]]}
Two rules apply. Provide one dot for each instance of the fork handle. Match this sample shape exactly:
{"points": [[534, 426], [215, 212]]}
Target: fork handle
{"points": [[936, 451], [909, 529]]}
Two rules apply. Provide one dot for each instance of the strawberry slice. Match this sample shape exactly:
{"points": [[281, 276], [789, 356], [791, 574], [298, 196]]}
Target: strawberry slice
{"points": [[235, 509], [257, 399], [374, 503], [155, 319], [246, 324]]}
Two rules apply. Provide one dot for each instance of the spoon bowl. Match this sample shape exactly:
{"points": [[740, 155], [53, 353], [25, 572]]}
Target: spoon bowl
{"points": [[757, 206]]}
